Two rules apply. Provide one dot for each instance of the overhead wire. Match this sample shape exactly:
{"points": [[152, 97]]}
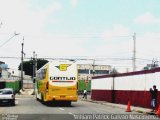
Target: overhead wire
{"points": [[15, 34]]}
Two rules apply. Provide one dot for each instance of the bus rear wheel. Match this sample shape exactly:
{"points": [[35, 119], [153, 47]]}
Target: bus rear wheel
{"points": [[68, 103]]}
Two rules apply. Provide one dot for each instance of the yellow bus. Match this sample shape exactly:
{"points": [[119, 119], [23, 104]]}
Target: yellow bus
{"points": [[57, 81]]}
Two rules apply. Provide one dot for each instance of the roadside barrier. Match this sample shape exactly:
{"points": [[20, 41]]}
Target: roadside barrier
{"points": [[128, 107], [158, 111]]}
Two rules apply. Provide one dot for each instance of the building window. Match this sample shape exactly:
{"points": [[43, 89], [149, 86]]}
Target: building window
{"points": [[84, 71], [41, 74], [100, 72]]}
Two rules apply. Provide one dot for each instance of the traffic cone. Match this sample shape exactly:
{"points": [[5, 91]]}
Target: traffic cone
{"points": [[158, 111], [128, 107]]}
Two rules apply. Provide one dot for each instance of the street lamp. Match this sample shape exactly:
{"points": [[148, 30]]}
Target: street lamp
{"points": [[15, 34]]}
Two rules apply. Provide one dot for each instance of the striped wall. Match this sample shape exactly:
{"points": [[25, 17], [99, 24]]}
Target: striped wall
{"points": [[132, 86]]}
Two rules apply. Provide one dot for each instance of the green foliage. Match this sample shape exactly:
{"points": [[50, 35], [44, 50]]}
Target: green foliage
{"points": [[41, 62], [28, 66]]}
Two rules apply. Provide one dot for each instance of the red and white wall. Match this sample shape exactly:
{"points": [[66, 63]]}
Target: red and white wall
{"points": [[133, 86]]}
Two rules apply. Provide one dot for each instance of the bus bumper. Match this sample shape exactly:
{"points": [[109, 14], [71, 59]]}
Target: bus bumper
{"points": [[62, 98]]}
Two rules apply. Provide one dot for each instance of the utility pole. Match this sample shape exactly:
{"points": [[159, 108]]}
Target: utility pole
{"points": [[134, 52], [93, 67], [34, 66], [22, 65]]}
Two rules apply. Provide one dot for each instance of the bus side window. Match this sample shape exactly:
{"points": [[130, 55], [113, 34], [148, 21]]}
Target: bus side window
{"points": [[41, 73]]}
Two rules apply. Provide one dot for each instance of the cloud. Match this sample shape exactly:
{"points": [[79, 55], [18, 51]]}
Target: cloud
{"points": [[148, 44], [74, 2], [117, 31], [115, 41], [22, 17], [147, 48], [19, 15], [52, 8], [147, 18]]}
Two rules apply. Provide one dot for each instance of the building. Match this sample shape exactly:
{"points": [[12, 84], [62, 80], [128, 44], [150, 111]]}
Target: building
{"points": [[3, 70], [16, 75], [86, 71], [11, 78]]}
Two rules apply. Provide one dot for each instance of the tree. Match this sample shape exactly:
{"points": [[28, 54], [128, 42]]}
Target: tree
{"points": [[28, 66]]}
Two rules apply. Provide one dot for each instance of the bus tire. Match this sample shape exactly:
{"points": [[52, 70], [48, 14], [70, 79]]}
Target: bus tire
{"points": [[42, 98], [37, 99], [68, 103], [43, 101]]}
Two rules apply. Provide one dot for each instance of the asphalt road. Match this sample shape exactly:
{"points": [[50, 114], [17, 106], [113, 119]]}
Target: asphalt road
{"points": [[31, 109]]}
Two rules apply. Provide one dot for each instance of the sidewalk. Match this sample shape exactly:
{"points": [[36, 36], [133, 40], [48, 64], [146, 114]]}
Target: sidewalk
{"points": [[133, 108], [24, 96], [26, 93]]}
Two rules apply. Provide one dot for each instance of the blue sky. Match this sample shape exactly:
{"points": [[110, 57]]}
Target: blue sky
{"points": [[93, 28]]}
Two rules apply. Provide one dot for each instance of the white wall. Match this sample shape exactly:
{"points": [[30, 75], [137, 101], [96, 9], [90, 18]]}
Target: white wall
{"points": [[135, 82], [102, 84]]}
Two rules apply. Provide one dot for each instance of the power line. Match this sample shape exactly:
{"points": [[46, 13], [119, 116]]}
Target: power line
{"points": [[79, 58], [15, 34]]}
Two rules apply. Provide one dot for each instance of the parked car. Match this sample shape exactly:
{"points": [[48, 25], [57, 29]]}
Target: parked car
{"points": [[7, 96]]}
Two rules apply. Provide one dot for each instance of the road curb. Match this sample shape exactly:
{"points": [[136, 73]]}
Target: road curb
{"points": [[133, 108]]}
